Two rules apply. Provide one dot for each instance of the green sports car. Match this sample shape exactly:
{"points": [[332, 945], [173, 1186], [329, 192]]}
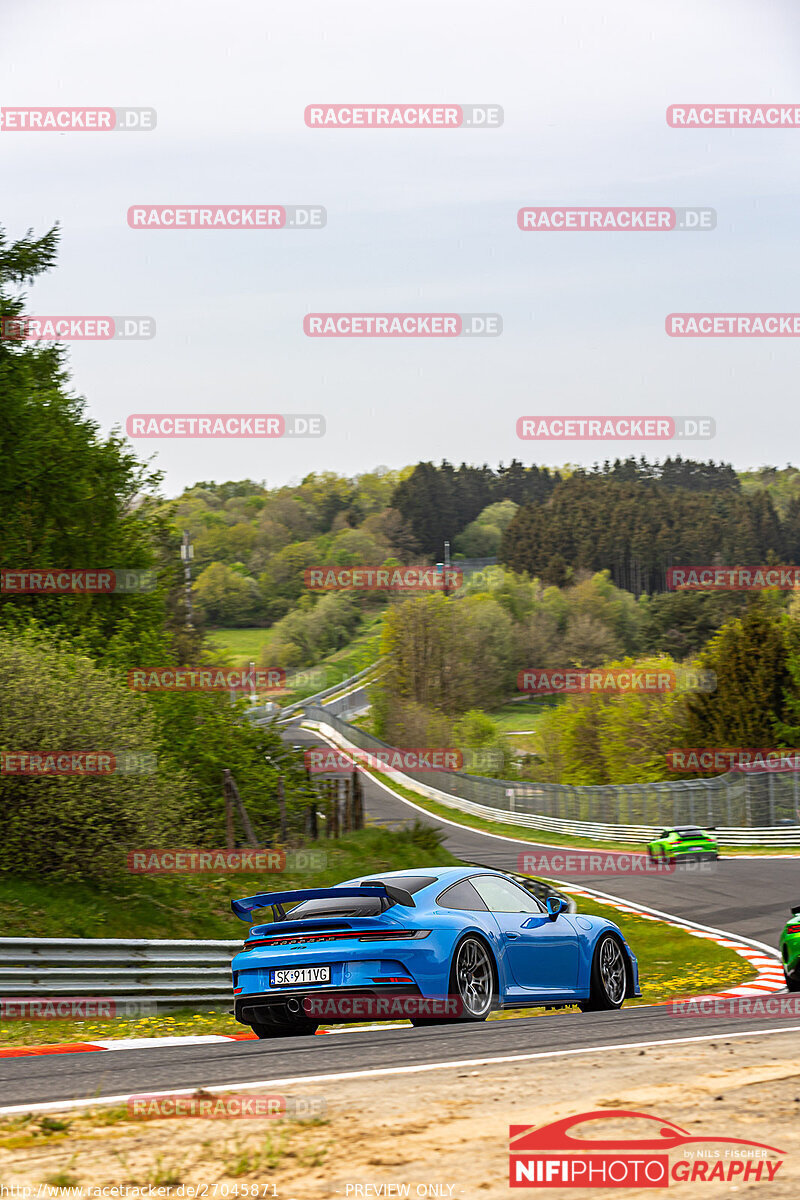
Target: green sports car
{"points": [[790, 950], [683, 843]]}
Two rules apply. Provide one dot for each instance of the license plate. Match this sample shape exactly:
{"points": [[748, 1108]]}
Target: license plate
{"points": [[289, 976]]}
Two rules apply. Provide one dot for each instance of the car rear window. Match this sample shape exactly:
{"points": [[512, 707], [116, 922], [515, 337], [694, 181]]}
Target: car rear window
{"points": [[408, 883]]}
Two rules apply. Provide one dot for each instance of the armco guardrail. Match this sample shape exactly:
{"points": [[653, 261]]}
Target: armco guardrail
{"points": [[125, 970], [298, 706], [743, 808]]}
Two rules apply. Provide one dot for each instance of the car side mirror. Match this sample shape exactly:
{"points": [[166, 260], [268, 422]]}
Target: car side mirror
{"points": [[554, 906]]}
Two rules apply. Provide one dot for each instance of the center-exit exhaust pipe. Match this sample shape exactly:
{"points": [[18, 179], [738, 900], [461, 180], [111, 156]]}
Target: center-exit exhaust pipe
{"points": [[294, 1006]]}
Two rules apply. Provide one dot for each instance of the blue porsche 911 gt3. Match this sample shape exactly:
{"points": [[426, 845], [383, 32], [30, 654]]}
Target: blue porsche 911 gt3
{"points": [[454, 942]]}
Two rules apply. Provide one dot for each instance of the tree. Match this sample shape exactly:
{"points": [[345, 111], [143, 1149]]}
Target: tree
{"points": [[203, 734], [749, 656], [227, 597], [482, 537], [69, 496], [609, 737]]}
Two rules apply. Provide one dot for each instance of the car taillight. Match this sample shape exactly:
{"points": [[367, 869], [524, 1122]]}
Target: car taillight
{"points": [[305, 939], [394, 934], [793, 928]]}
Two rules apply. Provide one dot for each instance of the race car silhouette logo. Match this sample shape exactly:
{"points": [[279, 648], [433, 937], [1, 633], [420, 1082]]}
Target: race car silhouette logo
{"points": [[551, 1156]]}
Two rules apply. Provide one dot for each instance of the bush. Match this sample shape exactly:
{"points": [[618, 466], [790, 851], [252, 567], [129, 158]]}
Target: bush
{"points": [[78, 827]]}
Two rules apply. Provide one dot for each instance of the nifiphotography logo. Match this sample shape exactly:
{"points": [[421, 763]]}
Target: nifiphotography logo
{"points": [[552, 1156]]}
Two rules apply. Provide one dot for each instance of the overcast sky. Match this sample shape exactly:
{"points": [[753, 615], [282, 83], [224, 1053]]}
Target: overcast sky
{"points": [[417, 220]]}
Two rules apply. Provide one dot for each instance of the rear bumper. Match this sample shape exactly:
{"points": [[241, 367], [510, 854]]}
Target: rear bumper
{"points": [[337, 1005]]}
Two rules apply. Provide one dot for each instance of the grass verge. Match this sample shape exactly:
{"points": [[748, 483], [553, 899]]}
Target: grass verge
{"points": [[194, 906]]}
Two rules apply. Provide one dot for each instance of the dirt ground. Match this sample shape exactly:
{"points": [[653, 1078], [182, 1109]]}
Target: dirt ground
{"points": [[440, 1133]]}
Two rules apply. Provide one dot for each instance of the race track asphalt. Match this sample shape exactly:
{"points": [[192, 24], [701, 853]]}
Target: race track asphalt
{"points": [[122, 1073], [748, 897]]}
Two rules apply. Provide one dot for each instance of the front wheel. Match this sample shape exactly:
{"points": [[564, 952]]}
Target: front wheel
{"points": [[608, 978]]}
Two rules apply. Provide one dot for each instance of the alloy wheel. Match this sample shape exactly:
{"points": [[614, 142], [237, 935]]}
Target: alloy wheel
{"points": [[612, 970], [474, 977]]}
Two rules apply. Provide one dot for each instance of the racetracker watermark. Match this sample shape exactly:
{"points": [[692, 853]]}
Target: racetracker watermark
{"points": [[733, 579], [77, 762], [227, 216], [736, 1007], [331, 1007], [198, 861], [243, 1106], [742, 325], [403, 116], [473, 761], [615, 429], [322, 760], [70, 120], [92, 581], [225, 425], [75, 1008], [737, 758], [549, 681], [204, 679], [77, 329], [435, 325], [734, 116], [382, 579], [629, 220], [554, 865]]}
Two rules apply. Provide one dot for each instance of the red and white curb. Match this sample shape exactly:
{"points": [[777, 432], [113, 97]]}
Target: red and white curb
{"points": [[150, 1043], [770, 977], [123, 1044]]}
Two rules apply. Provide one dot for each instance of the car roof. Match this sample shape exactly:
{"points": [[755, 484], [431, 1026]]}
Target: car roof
{"points": [[439, 875]]}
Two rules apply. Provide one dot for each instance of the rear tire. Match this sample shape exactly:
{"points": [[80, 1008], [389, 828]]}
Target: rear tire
{"points": [[609, 977], [473, 983], [472, 979], [792, 985]]}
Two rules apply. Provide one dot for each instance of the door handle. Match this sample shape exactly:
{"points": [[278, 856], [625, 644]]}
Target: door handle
{"points": [[511, 935]]}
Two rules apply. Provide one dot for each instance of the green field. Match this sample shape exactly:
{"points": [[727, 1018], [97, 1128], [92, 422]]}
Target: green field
{"points": [[522, 714], [242, 646]]}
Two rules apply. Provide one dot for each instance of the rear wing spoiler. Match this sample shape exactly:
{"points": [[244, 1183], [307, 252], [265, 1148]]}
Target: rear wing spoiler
{"points": [[387, 893]]}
